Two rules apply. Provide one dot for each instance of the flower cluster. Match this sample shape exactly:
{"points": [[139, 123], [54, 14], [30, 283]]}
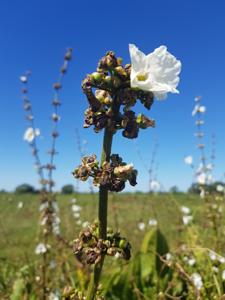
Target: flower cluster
{"points": [[91, 248], [107, 90], [111, 175]]}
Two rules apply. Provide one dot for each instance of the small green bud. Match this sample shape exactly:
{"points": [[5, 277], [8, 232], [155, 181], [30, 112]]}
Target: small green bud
{"points": [[122, 243], [96, 76]]}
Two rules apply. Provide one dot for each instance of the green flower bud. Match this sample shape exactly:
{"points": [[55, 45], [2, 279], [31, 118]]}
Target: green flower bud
{"points": [[122, 243], [96, 77]]}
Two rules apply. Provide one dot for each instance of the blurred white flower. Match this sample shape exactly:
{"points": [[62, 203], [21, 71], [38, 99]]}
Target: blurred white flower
{"points": [[76, 215], [197, 280], [141, 226], [43, 206], [188, 160], [74, 200], [53, 296], [223, 275], [156, 72], [78, 222], [202, 194], [215, 269], [201, 178], [212, 255], [191, 261], [209, 167], [20, 205], [55, 206], [202, 109], [56, 117], [220, 188], [30, 134], [23, 79], [152, 222], [76, 208], [117, 255], [168, 256], [185, 210], [154, 185], [187, 219], [41, 248], [85, 224], [44, 221]]}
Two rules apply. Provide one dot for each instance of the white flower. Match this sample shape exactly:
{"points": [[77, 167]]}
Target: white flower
{"points": [[23, 79], [221, 259], [152, 222], [201, 178], [85, 224], [212, 255], [191, 261], [197, 280], [185, 210], [117, 255], [76, 208], [30, 134], [187, 219], [20, 205], [55, 206], [44, 221], [154, 185], [53, 296], [223, 275], [220, 188], [202, 194], [41, 248], [168, 256], [56, 117], [76, 215], [141, 226], [74, 200], [156, 72], [215, 269], [202, 109], [43, 206], [78, 222], [188, 160]]}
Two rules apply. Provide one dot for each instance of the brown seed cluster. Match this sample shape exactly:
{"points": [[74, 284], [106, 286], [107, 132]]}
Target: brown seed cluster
{"points": [[111, 98], [91, 248], [111, 175]]}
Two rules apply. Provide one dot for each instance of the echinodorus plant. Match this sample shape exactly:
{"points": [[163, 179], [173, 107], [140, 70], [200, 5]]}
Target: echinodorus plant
{"points": [[112, 92]]}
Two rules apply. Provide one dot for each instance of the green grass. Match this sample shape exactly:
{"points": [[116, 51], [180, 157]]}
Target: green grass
{"points": [[19, 227]]}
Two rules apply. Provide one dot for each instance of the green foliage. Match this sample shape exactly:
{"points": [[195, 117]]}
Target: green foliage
{"points": [[67, 189], [25, 189]]}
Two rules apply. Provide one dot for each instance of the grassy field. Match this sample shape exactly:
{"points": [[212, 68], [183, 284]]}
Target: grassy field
{"points": [[19, 227]]}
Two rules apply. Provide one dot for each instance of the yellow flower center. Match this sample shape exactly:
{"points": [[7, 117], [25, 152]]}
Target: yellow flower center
{"points": [[142, 77]]}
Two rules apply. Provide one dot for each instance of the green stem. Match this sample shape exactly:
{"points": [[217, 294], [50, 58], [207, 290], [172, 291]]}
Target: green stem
{"points": [[102, 216]]}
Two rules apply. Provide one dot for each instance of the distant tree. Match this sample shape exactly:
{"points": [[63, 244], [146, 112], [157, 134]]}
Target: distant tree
{"points": [[174, 190], [195, 188], [3, 191], [67, 189], [24, 189]]}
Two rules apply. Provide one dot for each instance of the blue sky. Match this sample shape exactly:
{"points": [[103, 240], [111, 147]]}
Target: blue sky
{"points": [[35, 34]]}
